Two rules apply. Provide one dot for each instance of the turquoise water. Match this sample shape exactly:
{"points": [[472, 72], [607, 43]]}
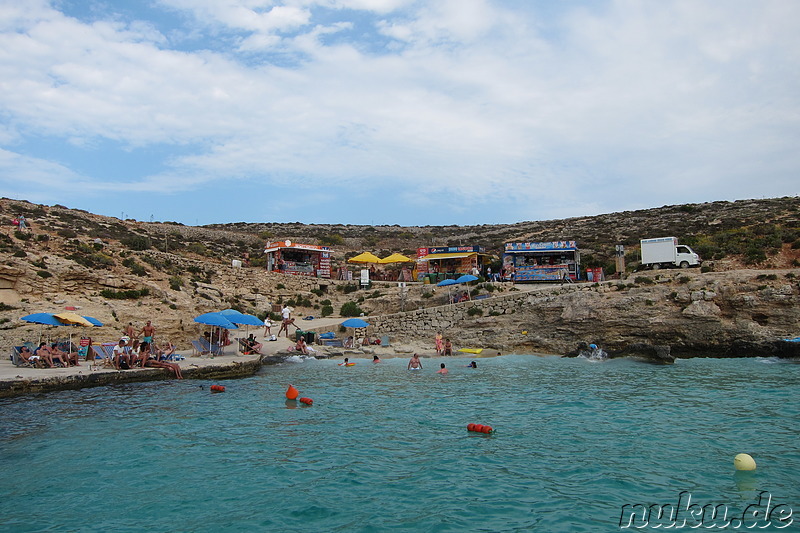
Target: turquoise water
{"points": [[385, 449]]}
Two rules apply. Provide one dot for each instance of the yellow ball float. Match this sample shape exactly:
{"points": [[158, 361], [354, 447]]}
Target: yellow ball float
{"points": [[744, 462]]}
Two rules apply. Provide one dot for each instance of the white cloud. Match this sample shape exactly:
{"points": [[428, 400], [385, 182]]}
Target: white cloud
{"points": [[482, 103]]}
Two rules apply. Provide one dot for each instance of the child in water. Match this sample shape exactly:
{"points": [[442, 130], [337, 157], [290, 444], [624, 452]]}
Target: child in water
{"points": [[443, 371]]}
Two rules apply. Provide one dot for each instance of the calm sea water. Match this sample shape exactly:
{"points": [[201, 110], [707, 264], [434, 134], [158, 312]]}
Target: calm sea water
{"points": [[385, 449]]}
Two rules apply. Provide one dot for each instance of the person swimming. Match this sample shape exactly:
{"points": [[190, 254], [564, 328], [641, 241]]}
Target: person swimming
{"points": [[442, 370], [473, 364], [376, 359]]}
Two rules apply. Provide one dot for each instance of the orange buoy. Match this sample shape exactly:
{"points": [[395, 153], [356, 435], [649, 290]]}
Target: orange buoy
{"points": [[307, 401], [480, 428], [217, 388], [292, 393]]}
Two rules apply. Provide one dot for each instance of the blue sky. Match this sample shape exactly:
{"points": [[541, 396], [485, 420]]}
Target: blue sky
{"points": [[396, 111]]}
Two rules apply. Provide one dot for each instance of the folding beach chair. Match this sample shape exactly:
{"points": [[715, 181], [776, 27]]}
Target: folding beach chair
{"points": [[198, 348]]}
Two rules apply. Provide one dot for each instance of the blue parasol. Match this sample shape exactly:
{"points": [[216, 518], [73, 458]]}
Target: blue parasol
{"points": [[94, 321], [219, 320], [46, 319], [354, 323], [241, 318], [215, 319], [446, 282], [466, 278]]}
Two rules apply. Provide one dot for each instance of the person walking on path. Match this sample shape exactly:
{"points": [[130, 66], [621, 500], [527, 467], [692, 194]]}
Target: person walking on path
{"points": [[286, 319]]}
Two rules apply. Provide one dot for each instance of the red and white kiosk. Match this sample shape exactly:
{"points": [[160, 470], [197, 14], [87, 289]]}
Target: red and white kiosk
{"points": [[296, 259]]}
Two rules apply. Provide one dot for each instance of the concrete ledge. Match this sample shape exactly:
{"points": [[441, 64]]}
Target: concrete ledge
{"points": [[209, 370]]}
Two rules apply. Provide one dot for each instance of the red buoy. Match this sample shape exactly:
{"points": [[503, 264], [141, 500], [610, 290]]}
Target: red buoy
{"points": [[307, 401], [292, 393], [480, 428], [217, 388]]}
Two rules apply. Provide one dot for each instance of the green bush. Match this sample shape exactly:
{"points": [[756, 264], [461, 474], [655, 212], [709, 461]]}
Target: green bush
{"points": [[67, 233], [43, 274], [197, 248], [350, 309], [132, 294], [333, 239], [475, 311], [136, 242], [644, 280], [20, 253], [327, 310], [175, 283]]}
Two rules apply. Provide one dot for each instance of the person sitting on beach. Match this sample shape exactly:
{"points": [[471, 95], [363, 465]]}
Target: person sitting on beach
{"points": [[442, 370], [252, 344], [151, 361], [166, 350], [134, 353], [69, 358], [44, 353], [414, 363], [301, 346], [348, 342], [122, 360], [448, 347], [30, 358], [376, 359]]}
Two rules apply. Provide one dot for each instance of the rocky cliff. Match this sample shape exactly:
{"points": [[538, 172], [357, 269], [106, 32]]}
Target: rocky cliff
{"points": [[130, 271]]}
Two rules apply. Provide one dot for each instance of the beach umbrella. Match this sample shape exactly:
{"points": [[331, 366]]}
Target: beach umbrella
{"points": [[395, 258], [447, 283], [239, 319], [68, 318], [45, 319], [355, 323], [94, 321], [466, 278], [366, 257], [71, 318], [215, 319]]}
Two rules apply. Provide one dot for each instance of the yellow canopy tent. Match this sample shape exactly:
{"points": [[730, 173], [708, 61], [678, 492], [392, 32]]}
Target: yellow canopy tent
{"points": [[366, 257], [395, 258]]}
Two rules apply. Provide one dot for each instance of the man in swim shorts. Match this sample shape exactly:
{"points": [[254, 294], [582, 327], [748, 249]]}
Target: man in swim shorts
{"points": [[414, 363], [148, 331]]}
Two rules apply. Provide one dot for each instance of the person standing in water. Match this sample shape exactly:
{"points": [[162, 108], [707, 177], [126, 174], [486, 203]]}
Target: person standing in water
{"points": [[414, 363], [443, 371]]}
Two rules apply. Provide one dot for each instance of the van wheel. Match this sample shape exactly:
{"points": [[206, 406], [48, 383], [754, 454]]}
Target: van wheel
{"points": [[656, 266], [684, 264]]}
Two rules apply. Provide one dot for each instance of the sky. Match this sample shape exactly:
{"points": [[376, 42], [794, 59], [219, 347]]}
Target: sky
{"points": [[431, 112]]}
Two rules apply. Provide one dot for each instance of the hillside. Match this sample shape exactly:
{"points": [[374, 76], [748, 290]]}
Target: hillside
{"points": [[131, 271]]}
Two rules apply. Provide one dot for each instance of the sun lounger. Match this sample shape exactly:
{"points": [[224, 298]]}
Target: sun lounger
{"points": [[16, 358], [198, 349], [385, 340]]}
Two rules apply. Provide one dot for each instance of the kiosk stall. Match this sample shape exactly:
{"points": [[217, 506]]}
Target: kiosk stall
{"points": [[296, 259], [442, 262], [542, 261]]}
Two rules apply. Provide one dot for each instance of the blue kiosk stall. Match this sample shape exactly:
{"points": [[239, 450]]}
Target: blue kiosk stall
{"points": [[542, 261]]}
